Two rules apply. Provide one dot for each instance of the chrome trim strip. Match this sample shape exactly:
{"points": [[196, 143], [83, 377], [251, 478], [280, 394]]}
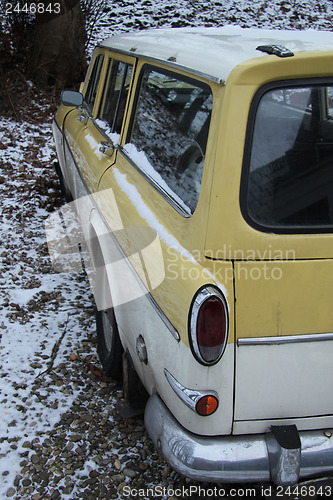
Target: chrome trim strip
{"points": [[163, 317], [190, 397], [147, 294], [288, 339], [172, 64], [229, 458]]}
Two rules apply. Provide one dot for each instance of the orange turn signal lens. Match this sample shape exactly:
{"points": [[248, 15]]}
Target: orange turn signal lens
{"points": [[206, 405]]}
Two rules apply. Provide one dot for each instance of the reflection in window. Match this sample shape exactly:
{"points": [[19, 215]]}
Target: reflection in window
{"points": [[114, 99], [169, 135], [291, 164], [92, 87], [330, 102]]}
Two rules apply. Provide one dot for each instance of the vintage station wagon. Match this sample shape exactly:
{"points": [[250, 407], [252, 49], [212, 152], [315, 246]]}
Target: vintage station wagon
{"points": [[200, 162]]}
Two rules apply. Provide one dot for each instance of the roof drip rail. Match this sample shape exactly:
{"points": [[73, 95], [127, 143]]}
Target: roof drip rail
{"points": [[277, 50]]}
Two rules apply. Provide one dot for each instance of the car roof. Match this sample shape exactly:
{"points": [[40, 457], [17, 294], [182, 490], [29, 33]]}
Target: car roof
{"points": [[213, 52]]}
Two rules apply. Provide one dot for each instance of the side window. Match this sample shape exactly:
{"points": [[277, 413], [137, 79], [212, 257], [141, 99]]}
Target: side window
{"points": [[115, 93], [169, 134], [90, 94], [330, 102]]}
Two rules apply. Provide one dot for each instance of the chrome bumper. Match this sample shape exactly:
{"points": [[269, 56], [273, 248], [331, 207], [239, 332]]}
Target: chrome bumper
{"points": [[256, 457]]}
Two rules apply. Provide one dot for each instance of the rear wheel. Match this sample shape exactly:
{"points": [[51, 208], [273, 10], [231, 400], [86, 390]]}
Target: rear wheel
{"points": [[109, 349]]}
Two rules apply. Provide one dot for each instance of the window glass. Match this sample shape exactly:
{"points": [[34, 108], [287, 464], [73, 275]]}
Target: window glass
{"points": [[114, 99], [330, 102], [169, 134], [291, 171], [92, 86]]}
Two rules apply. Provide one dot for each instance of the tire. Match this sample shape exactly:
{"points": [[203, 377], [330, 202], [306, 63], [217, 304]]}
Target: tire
{"points": [[134, 391], [110, 349]]}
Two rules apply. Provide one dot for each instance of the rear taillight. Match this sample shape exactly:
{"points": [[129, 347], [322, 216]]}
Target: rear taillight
{"points": [[208, 325]]}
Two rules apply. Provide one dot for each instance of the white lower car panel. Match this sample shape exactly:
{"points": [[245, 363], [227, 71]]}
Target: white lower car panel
{"points": [[288, 380]]}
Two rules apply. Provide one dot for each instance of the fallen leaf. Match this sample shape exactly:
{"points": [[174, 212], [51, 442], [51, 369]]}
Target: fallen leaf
{"points": [[99, 373]]}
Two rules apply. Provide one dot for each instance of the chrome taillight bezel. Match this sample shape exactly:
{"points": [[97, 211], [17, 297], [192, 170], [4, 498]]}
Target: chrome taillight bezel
{"points": [[202, 295]]}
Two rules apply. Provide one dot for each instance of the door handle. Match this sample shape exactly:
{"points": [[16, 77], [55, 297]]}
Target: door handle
{"points": [[83, 118], [106, 148]]}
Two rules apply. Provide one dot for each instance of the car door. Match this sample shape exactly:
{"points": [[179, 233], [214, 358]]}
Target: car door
{"points": [[94, 135], [75, 122]]}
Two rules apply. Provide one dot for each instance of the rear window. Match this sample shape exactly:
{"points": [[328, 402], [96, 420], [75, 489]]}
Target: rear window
{"points": [[289, 169]]}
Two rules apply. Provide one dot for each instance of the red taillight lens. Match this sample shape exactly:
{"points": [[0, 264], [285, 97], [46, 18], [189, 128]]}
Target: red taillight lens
{"points": [[211, 327], [208, 325]]}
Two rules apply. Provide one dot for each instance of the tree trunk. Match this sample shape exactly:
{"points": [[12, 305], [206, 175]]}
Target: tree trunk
{"points": [[58, 53]]}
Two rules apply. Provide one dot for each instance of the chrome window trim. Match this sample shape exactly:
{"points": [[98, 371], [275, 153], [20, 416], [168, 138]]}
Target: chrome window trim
{"points": [[156, 185], [202, 295], [166, 62], [181, 208], [319, 229], [288, 339]]}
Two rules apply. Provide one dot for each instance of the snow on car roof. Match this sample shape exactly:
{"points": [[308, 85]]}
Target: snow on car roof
{"points": [[213, 52]]}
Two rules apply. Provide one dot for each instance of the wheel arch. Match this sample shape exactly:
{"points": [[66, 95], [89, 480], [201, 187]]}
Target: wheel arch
{"points": [[97, 240]]}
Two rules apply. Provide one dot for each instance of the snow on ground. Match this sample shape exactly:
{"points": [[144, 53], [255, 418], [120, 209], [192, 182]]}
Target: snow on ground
{"points": [[44, 316], [129, 15], [36, 304]]}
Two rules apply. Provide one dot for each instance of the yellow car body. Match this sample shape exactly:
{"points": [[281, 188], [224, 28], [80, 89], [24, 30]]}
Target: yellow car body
{"points": [[267, 264]]}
